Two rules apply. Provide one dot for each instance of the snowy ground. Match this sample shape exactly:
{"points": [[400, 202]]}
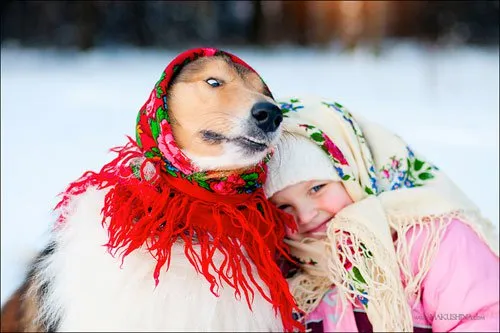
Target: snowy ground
{"points": [[61, 111]]}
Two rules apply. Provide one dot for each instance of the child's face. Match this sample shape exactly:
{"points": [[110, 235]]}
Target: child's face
{"points": [[312, 204]]}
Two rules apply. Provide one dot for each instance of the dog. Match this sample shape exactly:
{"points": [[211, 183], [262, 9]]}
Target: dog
{"points": [[224, 120]]}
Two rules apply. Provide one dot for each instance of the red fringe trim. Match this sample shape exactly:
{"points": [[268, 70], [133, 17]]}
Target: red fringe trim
{"points": [[157, 213]]}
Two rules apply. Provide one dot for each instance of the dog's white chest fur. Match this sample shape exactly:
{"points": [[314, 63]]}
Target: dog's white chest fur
{"points": [[90, 291]]}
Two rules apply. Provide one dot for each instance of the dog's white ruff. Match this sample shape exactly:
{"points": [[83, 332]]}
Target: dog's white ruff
{"points": [[90, 292]]}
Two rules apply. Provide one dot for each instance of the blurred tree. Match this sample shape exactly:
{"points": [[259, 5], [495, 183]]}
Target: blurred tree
{"points": [[207, 27], [14, 29], [257, 23], [452, 21], [87, 20], [376, 23], [296, 23], [326, 18], [89, 23], [351, 23], [141, 31]]}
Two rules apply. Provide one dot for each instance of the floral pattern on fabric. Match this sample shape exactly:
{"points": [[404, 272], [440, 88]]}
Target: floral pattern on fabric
{"points": [[358, 281], [293, 105], [415, 172], [323, 141], [154, 135], [398, 173], [347, 116]]}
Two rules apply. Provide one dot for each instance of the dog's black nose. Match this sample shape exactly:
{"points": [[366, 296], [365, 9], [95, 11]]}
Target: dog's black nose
{"points": [[267, 115]]}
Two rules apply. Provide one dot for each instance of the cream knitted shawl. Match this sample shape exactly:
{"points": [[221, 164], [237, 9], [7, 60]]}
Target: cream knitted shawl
{"points": [[394, 189]]}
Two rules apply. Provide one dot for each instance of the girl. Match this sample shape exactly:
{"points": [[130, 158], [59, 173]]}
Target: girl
{"points": [[384, 240]]}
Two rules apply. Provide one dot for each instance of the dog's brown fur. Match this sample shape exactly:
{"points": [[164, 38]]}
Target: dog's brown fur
{"points": [[193, 106], [240, 89], [12, 312], [20, 311]]}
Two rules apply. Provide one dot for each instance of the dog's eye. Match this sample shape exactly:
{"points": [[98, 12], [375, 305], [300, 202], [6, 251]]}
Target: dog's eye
{"points": [[213, 82]]}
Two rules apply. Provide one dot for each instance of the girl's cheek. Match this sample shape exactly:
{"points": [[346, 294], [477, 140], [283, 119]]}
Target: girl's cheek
{"points": [[292, 234]]}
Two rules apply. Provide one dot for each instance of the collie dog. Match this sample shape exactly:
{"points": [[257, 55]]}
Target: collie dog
{"points": [[223, 119]]}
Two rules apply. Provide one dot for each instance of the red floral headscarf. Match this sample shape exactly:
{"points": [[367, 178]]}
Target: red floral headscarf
{"points": [[154, 133]]}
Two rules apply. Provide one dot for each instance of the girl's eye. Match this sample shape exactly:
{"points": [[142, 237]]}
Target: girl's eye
{"points": [[316, 188], [213, 82], [283, 207]]}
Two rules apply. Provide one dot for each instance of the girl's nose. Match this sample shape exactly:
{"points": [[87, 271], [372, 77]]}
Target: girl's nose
{"points": [[306, 215]]}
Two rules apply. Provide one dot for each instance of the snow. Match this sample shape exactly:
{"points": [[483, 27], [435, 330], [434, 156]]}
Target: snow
{"points": [[62, 110]]}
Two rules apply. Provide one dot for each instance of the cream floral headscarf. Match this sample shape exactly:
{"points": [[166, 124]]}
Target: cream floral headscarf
{"points": [[394, 189]]}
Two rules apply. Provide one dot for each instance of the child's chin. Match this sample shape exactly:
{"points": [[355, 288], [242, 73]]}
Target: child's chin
{"points": [[317, 234], [314, 235]]}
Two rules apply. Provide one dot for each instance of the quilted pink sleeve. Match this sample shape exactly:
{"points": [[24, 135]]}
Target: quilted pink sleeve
{"points": [[461, 291]]}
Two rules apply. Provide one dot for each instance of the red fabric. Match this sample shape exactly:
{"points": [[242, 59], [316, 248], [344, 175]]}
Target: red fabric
{"points": [[154, 214]]}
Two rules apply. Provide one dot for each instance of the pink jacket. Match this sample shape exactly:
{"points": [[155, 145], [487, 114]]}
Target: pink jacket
{"points": [[459, 294]]}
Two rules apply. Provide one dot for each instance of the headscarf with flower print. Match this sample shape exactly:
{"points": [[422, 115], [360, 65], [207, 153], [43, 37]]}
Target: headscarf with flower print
{"points": [[157, 197], [393, 189]]}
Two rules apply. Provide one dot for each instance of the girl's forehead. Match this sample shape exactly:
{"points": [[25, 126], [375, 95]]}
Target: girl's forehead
{"points": [[290, 192]]}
